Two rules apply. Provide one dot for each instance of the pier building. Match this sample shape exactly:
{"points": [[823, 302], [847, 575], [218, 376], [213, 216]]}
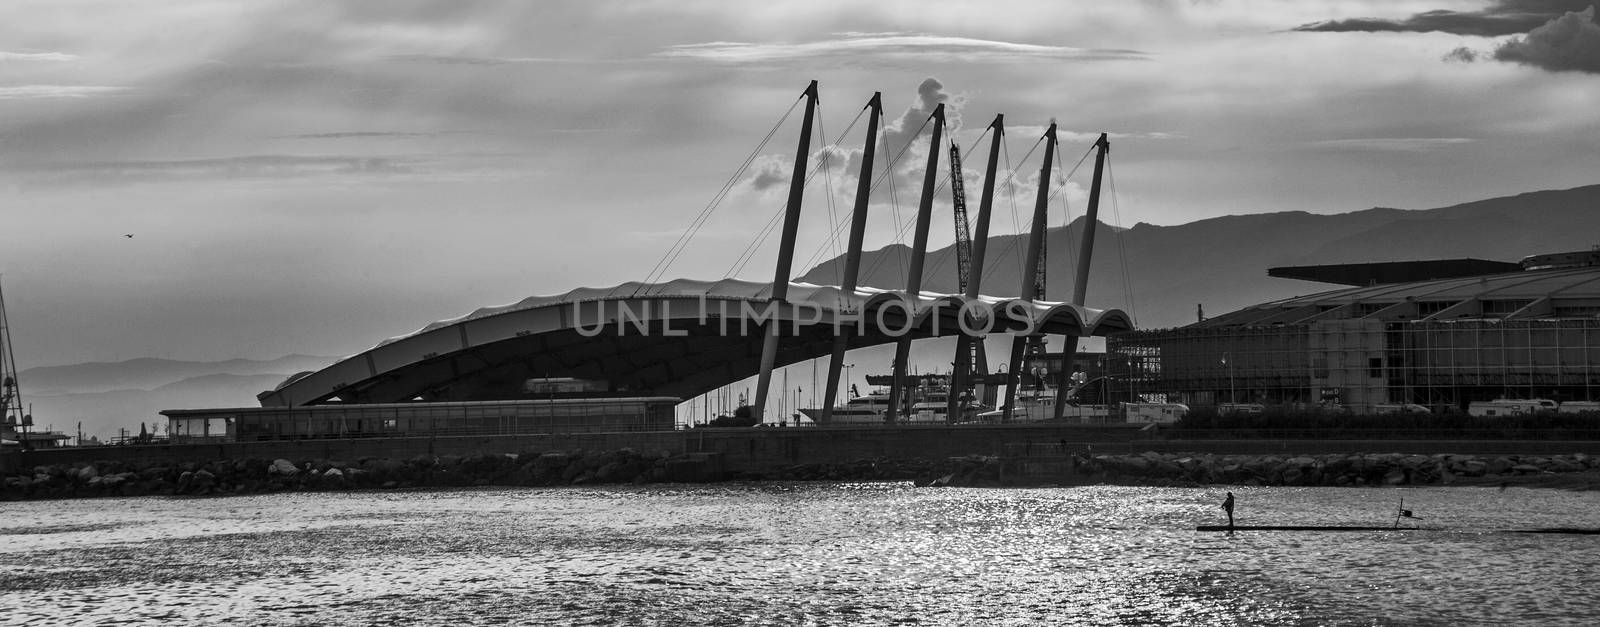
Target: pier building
{"points": [[1438, 334]]}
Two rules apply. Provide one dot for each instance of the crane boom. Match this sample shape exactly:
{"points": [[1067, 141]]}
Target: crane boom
{"points": [[970, 355], [958, 193]]}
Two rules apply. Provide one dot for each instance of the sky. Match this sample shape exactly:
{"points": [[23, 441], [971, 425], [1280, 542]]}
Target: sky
{"points": [[210, 180]]}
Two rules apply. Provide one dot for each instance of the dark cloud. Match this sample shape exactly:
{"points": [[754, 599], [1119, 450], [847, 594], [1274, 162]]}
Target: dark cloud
{"points": [[1568, 43], [1504, 17], [930, 94], [1462, 55]]}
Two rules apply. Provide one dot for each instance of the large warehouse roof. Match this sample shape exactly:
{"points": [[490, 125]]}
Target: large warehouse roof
{"points": [[1559, 292]]}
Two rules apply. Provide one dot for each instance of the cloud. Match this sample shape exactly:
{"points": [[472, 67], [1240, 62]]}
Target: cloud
{"points": [[896, 45], [1073, 137], [244, 167], [1393, 144], [363, 135], [1504, 17], [55, 91], [769, 171], [1568, 43], [468, 60], [903, 129], [36, 56], [1462, 55]]}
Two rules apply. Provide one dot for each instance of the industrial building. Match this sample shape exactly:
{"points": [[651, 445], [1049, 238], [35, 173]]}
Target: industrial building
{"points": [[1440, 334]]}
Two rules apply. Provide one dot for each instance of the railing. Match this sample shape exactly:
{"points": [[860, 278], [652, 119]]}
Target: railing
{"points": [[555, 429], [1341, 433]]}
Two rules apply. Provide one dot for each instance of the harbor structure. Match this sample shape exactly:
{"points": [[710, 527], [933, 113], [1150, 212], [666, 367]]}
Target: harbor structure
{"points": [[1435, 335], [660, 340]]}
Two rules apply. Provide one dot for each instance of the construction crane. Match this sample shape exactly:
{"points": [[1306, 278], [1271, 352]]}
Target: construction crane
{"points": [[972, 359], [958, 197]]}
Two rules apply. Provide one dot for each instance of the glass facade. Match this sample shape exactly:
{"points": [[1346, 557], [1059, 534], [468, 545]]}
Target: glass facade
{"points": [[413, 419], [1358, 363]]}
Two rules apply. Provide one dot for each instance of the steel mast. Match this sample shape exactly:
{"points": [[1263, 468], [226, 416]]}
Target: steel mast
{"points": [[919, 249], [970, 349], [1080, 289], [852, 259], [1031, 284], [780, 279]]}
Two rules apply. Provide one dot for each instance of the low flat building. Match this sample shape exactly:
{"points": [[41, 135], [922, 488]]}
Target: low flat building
{"points": [[340, 420]]}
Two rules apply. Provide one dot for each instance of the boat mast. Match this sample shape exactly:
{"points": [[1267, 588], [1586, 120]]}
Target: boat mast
{"points": [[919, 249], [10, 392], [780, 280], [852, 259]]}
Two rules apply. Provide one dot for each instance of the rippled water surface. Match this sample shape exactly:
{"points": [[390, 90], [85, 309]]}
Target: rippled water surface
{"points": [[800, 554]]}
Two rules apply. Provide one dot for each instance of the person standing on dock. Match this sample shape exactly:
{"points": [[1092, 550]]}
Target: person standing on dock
{"points": [[1227, 506]]}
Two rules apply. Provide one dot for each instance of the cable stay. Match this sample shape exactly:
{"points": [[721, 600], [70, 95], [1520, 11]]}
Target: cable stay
{"points": [[900, 230], [1122, 249], [1013, 243], [711, 206], [754, 246]]}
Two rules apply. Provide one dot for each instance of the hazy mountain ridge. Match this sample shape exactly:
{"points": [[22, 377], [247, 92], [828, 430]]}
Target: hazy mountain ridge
{"points": [[150, 373], [103, 413], [1222, 262]]}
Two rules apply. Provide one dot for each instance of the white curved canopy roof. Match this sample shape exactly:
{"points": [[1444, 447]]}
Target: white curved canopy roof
{"points": [[680, 338]]}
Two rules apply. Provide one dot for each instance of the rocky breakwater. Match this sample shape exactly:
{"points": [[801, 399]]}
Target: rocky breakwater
{"points": [[1577, 470], [255, 476]]}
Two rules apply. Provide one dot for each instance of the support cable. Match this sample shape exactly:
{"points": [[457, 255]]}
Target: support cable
{"points": [[1122, 249], [948, 180], [1011, 194], [832, 240], [1013, 243], [699, 221], [755, 244], [894, 199]]}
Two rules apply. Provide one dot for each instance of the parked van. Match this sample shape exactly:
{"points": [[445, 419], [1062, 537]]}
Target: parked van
{"points": [[1161, 413], [1511, 407]]}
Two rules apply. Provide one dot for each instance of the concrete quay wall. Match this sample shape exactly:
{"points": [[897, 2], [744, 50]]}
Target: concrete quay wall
{"points": [[756, 450]]}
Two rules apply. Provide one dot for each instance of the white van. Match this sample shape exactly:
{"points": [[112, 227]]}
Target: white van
{"points": [[1511, 407], [1578, 407], [1162, 413]]}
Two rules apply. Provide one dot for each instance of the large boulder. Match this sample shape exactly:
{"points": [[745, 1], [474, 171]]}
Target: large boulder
{"points": [[282, 467], [1499, 466]]}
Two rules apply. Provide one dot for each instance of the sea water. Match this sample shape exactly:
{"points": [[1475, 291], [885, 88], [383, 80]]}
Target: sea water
{"points": [[796, 554]]}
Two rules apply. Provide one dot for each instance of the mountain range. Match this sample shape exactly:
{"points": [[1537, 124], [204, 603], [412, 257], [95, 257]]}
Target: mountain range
{"points": [[1160, 274], [108, 396]]}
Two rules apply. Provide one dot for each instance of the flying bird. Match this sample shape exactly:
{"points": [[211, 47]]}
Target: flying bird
{"points": [[128, 235]]}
